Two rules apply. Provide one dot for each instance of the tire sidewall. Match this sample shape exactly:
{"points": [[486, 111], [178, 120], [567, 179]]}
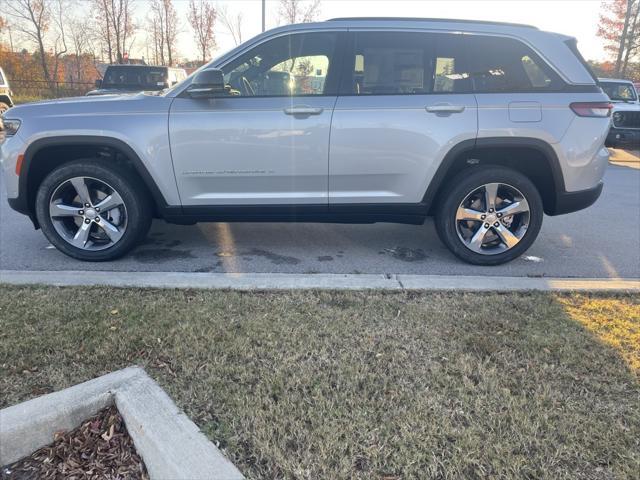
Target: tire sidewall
{"points": [[138, 216], [465, 183]]}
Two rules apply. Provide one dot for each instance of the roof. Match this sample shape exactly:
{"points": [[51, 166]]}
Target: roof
{"points": [[619, 80], [430, 20]]}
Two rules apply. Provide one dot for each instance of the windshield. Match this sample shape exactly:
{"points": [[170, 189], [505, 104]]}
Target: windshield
{"points": [[620, 92], [144, 78]]}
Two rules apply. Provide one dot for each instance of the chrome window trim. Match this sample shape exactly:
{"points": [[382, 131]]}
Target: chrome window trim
{"points": [[474, 33]]}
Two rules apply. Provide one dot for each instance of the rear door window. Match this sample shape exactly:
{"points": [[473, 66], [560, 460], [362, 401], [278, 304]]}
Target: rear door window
{"points": [[389, 63], [452, 71]]}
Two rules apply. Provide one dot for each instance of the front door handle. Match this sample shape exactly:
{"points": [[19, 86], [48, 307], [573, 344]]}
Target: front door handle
{"points": [[445, 108], [303, 110]]}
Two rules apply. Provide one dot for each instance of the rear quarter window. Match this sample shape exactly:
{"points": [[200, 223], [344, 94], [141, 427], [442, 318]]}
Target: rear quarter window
{"points": [[472, 63]]}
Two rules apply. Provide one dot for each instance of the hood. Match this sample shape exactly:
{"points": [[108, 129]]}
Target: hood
{"points": [[99, 104], [626, 107], [114, 91]]}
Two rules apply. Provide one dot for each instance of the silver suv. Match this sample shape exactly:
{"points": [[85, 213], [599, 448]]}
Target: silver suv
{"points": [[486, 126]]}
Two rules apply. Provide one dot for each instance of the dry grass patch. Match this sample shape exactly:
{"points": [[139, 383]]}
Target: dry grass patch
{"points": [[365, 385], [615, 321]]}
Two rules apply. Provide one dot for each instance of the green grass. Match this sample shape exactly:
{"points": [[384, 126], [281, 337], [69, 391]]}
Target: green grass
{"points": [[333, 385]]}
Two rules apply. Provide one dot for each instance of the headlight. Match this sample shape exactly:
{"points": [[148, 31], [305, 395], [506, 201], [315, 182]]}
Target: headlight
{"points": [[618, 117], [9, 127]]}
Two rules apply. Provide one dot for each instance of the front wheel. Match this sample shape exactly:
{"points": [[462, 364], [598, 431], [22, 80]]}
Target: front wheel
{"points": [[3, 107], [91, 211], [489, 216]]}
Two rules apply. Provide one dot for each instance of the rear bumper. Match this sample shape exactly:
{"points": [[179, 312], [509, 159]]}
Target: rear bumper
{"points": [[567, 202], [620, 137]]}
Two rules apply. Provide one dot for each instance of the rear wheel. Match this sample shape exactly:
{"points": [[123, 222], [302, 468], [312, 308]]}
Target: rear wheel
{"points": [[489, 216], [92, 212], [3, 107]]}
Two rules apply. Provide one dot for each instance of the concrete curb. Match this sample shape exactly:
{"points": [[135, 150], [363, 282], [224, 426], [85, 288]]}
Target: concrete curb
{"points": [[170, 444], [282, 281]]}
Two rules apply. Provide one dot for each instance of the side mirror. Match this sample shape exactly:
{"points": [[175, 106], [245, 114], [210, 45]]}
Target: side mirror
{"points": [[98, 83], [207, 84]]}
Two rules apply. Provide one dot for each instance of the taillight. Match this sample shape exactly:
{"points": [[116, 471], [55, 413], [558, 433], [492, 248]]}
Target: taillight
{"points": [[592, 109]]}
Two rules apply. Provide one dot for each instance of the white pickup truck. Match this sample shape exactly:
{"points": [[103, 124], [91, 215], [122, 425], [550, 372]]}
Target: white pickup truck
{"points": [[625, 125], [5, 93]]}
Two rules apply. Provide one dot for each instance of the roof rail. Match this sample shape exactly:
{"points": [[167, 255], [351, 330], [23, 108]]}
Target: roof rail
{"points": [[420, 19]]}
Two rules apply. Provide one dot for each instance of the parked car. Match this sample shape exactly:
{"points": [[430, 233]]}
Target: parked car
{"points": [[484, 125], [5, 93], [137, 78], [625, 127]]}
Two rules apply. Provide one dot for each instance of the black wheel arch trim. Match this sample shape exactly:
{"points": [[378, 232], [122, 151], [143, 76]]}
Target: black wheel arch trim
{"points": [[21, 203], [471, 145]]}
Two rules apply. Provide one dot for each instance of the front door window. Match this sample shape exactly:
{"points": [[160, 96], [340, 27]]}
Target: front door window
{"points": [[288, 66]]}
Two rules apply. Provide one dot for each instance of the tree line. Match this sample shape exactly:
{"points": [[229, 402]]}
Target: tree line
{"points": [[58, 35], [620, 29]]}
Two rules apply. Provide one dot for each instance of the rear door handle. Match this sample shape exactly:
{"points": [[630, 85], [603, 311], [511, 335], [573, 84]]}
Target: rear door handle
{"points": [[303, 110], [445, 108]]}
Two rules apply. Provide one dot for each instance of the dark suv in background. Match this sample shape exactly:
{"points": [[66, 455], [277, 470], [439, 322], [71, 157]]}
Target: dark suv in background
{"points": [[137, 78]]}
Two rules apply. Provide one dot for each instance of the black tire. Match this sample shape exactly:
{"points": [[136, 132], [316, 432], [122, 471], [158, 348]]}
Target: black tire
{"points": [[3, 107], [460, 187], [128, 186]]}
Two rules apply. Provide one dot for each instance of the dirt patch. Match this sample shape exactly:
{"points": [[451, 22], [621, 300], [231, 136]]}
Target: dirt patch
{"points": [[405, 254], [100, 448], [273, 257]]}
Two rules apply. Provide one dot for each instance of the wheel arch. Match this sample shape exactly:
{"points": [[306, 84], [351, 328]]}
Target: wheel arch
{"points": [[43, 155], [533, 157]]}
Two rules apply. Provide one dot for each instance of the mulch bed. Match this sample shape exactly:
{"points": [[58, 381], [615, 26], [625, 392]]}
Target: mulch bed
{"points": [[100, 448]]}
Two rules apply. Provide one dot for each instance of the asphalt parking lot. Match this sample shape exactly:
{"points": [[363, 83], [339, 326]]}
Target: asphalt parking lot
{"points": [[601, 241]]}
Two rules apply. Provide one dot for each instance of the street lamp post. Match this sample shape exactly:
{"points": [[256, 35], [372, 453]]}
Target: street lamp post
{"points": [[264, 7]]}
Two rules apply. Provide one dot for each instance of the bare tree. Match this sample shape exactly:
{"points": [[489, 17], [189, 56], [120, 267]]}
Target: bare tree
{"points": [[632, 46], [5, 27], [619, 27], [156, 31], [232, 22], [164, 26], [299, 11], [80, 40], [37, 20], [202, 17], [102, 28], [59, 11], [114, 26]]}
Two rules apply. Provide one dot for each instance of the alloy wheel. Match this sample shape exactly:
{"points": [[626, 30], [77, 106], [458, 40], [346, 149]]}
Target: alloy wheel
{"points": [[493, 218], [88, 213]]}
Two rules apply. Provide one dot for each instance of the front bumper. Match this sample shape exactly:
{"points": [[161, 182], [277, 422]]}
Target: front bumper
{"points": [[567, 202], [622, 137]]}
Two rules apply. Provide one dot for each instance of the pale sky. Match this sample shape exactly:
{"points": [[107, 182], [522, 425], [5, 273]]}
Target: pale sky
{"points": [[578, 18]]}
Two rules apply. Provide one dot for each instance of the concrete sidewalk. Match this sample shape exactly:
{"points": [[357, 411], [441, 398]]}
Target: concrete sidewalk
{"points": [[266, 281]]}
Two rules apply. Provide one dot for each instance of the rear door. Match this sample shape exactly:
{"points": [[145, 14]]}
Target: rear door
{"points": [[399, 112]]}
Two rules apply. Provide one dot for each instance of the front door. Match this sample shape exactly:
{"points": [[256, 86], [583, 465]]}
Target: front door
{"points": [[265, 142]]}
